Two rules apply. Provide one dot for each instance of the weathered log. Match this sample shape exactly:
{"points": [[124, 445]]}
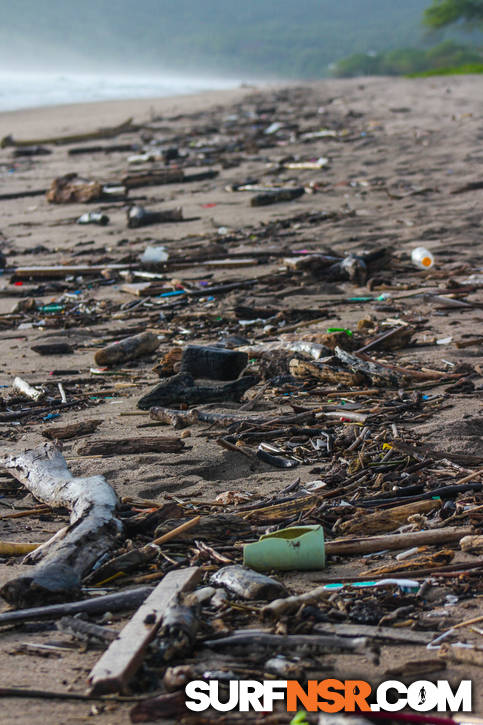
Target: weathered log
{"points": [[63, 270], [324, 372], [153, 178], [86, 631], [53, 348], [107, 132], [92, 531], [138, 216], [120, 662], [214, 363], [144, 444], [387, 519], [369, 544], [72, 188], [118, 602], [248, 584], [65, 432], [181, 388], [130, 348], [378, 374], [289, 642]]}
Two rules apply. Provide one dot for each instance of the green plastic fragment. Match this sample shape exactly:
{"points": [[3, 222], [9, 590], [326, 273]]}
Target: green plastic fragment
{"points": [[339, 329], [300, 718]]}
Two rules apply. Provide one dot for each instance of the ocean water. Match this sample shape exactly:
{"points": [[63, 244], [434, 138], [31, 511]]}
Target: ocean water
{"points": [[30, 90]]}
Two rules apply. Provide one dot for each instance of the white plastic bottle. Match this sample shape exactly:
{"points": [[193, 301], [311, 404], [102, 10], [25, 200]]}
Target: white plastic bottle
{"points": [[422, 258]]}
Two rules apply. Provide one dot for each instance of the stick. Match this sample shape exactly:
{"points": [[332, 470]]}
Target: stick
{"points": [[367, 545], [107, 132], [73, 550], [118, 602], [147, 444], [120, 662]]}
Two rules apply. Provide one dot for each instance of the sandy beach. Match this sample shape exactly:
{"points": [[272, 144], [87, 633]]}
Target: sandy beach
{"points": [[403, 169]]}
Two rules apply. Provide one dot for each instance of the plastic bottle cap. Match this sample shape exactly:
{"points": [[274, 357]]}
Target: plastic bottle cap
{"points": [[426, 261]]}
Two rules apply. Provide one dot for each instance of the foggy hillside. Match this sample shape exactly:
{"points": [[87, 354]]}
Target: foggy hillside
{"points": [[285, 38]]}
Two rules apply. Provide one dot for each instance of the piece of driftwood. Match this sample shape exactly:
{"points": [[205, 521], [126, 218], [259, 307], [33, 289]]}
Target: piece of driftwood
{"points": [[182, 388], [377, 373], [107, 132], [247, 584], [277, 195], [220, 527], [369, 544], [53, 348], [172, 704], [121, 446], [117, 666], [136, 558], [290, 642], [93, 528], [63, 270], [27, 391], [290, 604], [130, 348], [14, 548], [153, 178], [22, 194], [324, 372], [386, 634], [177, 634], [118, 602], [214, 363], [72, 188], [388, 519], [183, 418], [138, 216], [65, 432], [86, 631], [472, 544]]}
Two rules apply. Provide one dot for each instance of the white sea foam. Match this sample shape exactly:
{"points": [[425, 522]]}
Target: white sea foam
{"points": [[30, 90]]}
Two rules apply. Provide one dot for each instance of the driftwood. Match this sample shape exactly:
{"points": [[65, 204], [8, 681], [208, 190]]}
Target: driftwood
{"points": [[173, 704], [321, 643], [153, 178], [136, 558], [324, 372], [63, 270], [472, 544], [53, 348], [86, 631], [121, 446], [177, 635], [120, 662], [377, 373], [214, 363], [138, 216], [107, 132], [72, 188], [388, 519], [93, 528], [181, 388], [130, 348], [367, 545], [118, 602], [65, 432], [386, 634]]}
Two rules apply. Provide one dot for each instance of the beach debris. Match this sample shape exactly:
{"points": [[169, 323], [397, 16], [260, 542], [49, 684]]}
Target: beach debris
{"points": [[94, 217], [60, 563], [422, 258], [129, 348], [53, 348], [122, 446], [72, 430], [138, 216], [296, 548], [182, 388], [214, 363], [274, 196], [248, 584], [73, 188], [23, 388], [107, 132], [119, 663]]}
